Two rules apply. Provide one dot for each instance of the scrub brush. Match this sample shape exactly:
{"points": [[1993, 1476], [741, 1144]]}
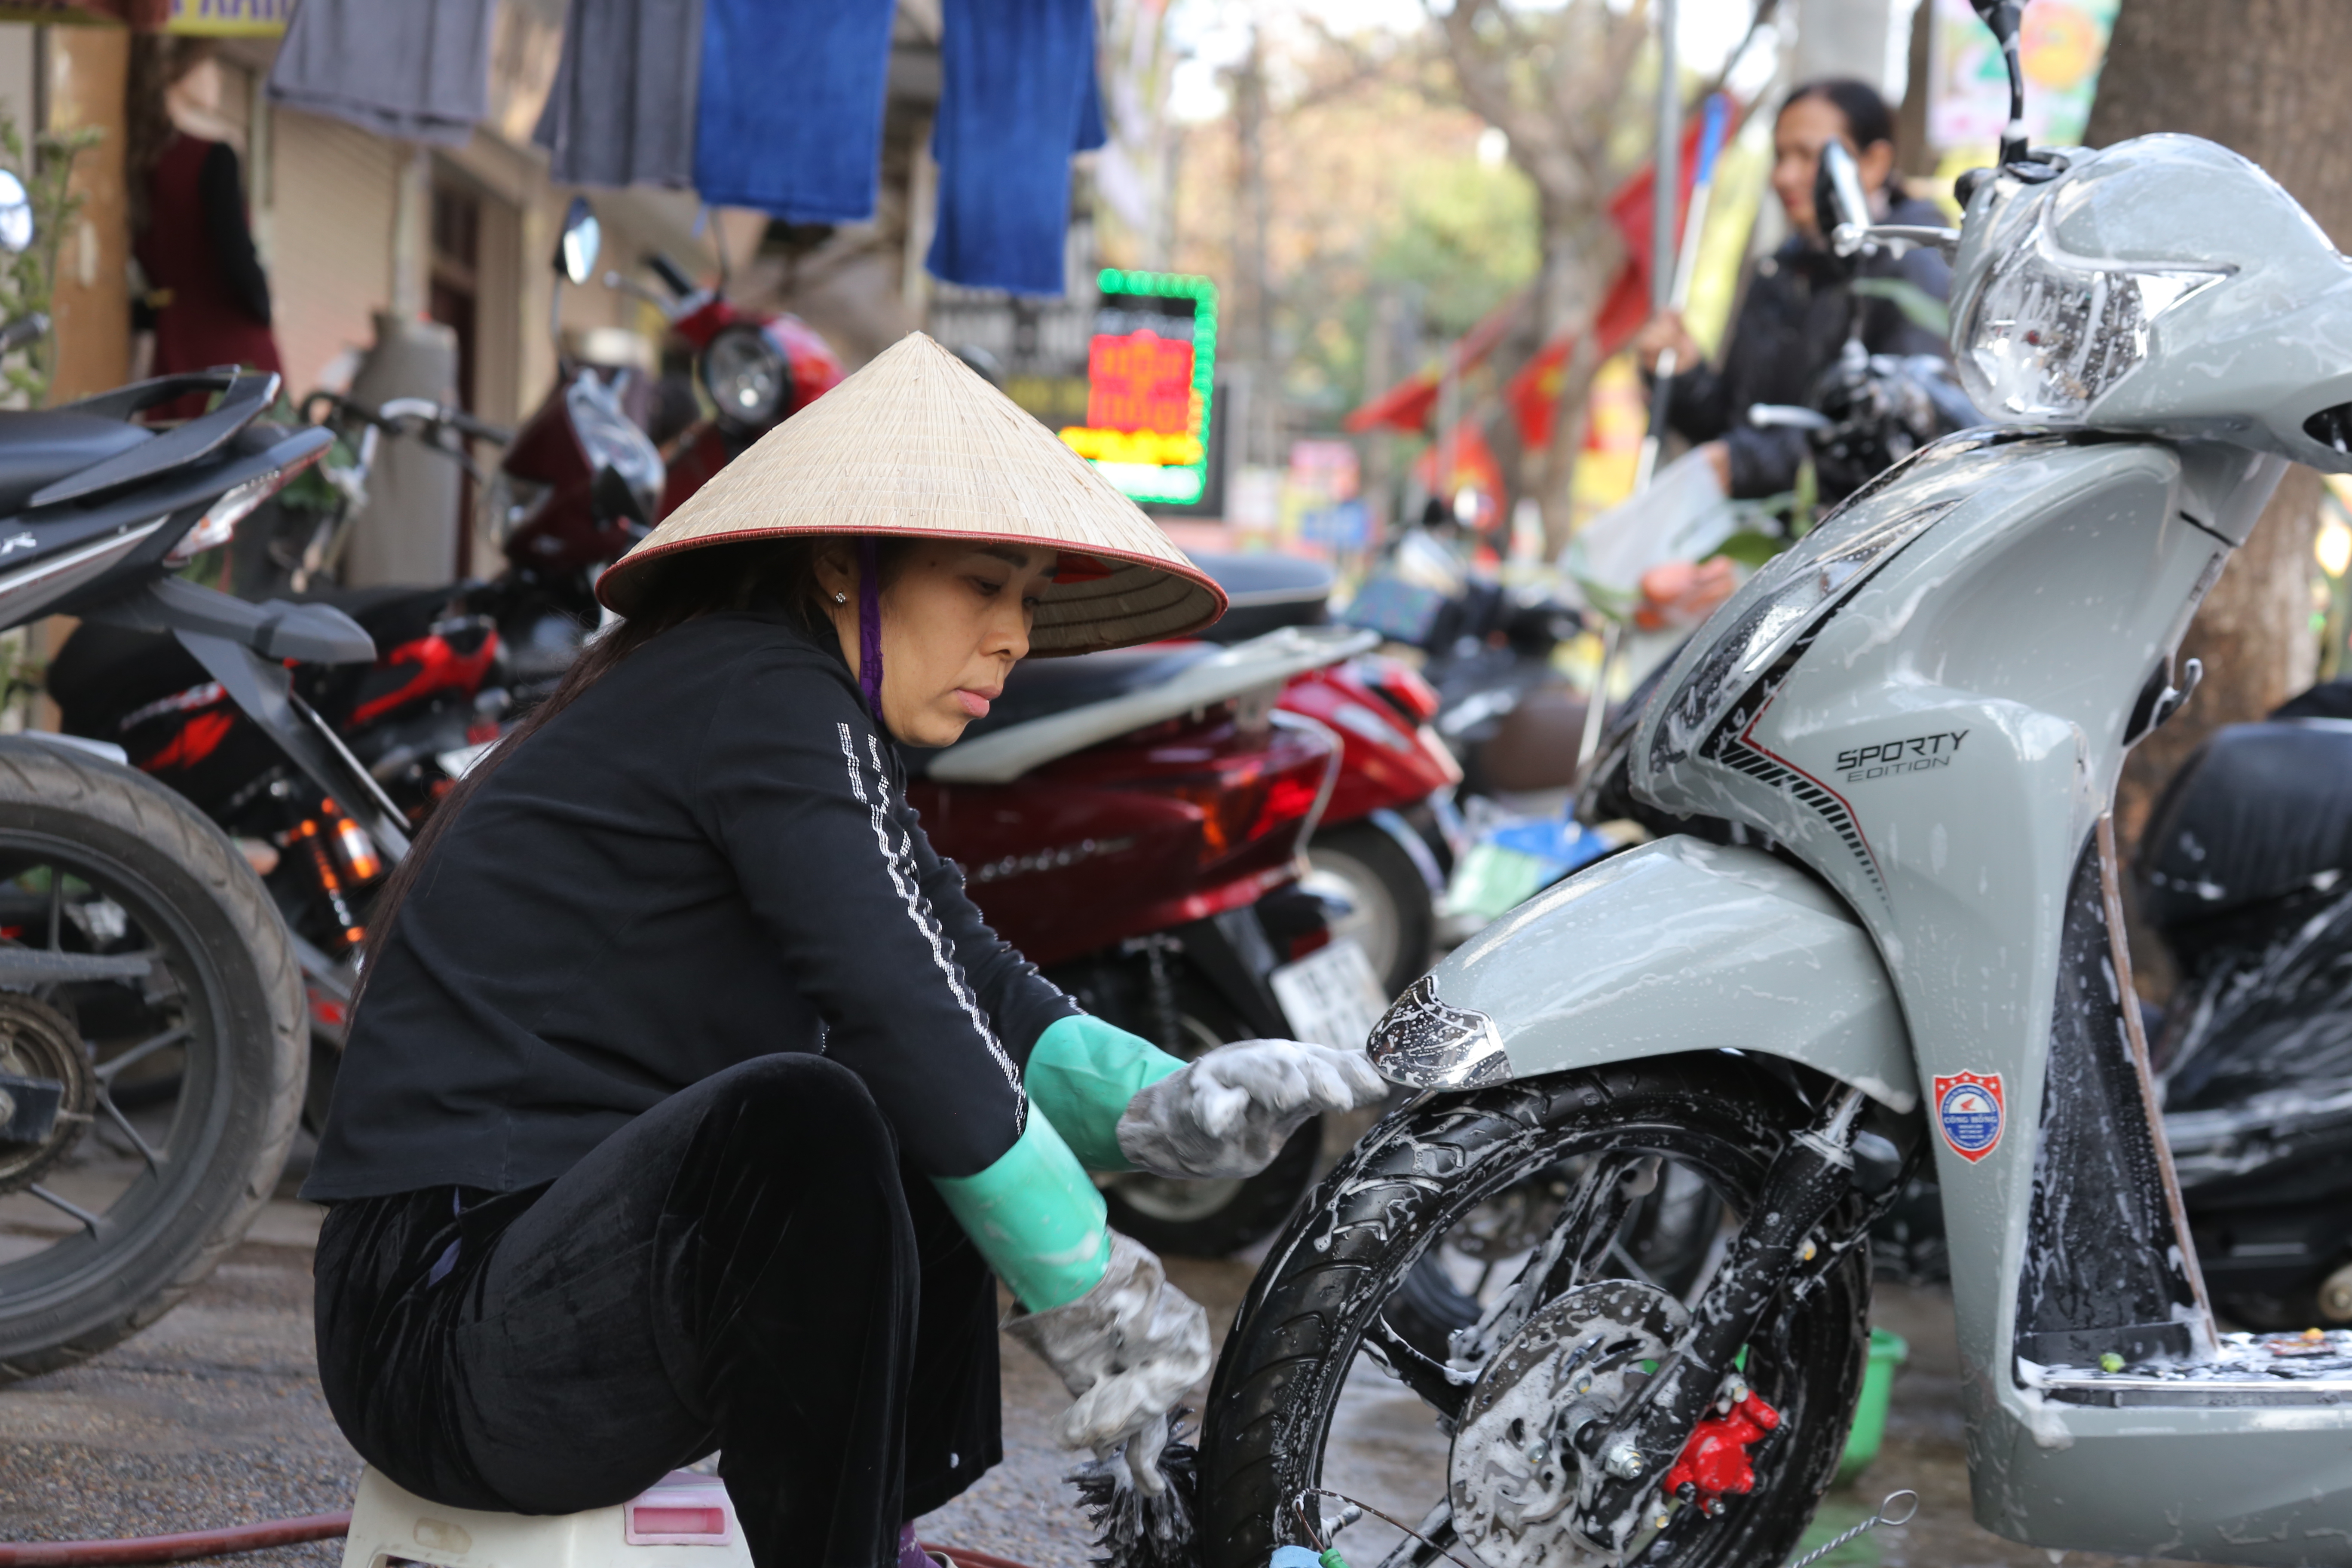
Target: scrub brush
{"points": [[1132, 1527]]}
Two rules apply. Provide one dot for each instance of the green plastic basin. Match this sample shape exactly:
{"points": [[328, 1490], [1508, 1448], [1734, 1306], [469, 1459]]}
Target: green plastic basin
{"points": [[1887, 1352]]}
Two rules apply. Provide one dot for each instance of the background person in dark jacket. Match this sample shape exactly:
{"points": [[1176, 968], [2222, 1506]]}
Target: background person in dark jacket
{"points": [[1795, 316]]}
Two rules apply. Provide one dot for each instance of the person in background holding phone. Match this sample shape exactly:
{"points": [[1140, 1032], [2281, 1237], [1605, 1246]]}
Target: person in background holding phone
{"points": [[1793, 319]]}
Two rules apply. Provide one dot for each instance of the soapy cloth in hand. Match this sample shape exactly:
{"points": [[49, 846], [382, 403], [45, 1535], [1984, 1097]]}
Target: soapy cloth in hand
{"points": [[1229, 1113], [1017, 97], [789, 115], [1126, 1351], [622, 111], [416, 70]]}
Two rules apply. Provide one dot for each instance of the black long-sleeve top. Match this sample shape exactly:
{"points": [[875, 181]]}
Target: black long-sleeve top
{"points": [[1789, 329], [706, 857]]}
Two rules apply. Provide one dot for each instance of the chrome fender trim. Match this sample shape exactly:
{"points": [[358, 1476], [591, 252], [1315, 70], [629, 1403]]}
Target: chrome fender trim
{"points": [[1675, 946]]}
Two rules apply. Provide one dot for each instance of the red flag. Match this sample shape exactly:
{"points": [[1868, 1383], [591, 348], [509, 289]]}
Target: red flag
{"points": [[1408, 406]]}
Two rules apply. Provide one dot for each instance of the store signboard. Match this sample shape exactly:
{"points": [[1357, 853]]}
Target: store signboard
{"points": [[229, 18], [1150, 365]]}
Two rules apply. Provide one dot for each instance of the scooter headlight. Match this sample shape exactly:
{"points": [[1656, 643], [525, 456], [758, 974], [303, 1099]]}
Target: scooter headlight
{"points": [[2044, 333], [746, 378]]}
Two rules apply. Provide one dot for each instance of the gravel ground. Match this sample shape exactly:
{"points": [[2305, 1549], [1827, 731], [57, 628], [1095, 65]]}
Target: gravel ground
{"points": [[214, 1418]]}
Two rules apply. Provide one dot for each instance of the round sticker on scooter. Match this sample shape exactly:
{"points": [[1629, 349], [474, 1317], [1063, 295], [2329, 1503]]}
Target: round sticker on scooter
{"points": [[1970, 1112]]}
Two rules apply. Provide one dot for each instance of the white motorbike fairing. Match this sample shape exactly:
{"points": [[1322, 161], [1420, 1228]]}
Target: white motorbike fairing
{"points": [[1675, 946]]}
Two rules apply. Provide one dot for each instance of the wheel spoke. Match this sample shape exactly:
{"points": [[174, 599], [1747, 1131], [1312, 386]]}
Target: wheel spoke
{"points": [[57, 907], [89, 1220], [122, 1125], [141, 1052]]}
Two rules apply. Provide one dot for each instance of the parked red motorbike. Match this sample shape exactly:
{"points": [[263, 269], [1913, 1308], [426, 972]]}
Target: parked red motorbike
{"points": [[753, 369], [1388, 836], [1132, 821]]}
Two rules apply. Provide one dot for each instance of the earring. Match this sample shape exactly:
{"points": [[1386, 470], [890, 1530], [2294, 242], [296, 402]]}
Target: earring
{"points": [[840, 599]]}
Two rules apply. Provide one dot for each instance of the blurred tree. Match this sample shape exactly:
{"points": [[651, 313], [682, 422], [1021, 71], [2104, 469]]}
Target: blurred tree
{"points": [[1378, 198], [2265, 78], [1560, 82]]}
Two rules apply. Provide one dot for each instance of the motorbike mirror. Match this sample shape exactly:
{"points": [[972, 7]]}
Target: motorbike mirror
{"points": [[584, 237], [2005, 17], [1841, 208], [15, 214]]}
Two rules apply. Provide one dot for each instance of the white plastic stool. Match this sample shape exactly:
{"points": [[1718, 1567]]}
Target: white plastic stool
{"points": [[683, 1521]]}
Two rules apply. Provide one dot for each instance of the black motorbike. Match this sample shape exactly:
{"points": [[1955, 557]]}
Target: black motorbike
{"points": [[152, 1046], [2245, 872]]}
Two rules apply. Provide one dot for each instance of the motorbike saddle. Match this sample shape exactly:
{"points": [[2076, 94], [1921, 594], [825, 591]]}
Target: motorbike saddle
{"points": [[2259, 813], [40, 446], [1267, 592]]}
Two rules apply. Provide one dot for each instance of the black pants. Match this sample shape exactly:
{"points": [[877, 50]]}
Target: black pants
{"points": [[746, 1267]]}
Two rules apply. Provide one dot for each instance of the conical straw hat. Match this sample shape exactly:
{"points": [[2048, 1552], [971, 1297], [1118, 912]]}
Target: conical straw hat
{"points": [[916, 444]]}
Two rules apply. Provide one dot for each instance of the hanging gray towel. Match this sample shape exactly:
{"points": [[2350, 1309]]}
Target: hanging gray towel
{"points": [[622, 112], [415, 70]]}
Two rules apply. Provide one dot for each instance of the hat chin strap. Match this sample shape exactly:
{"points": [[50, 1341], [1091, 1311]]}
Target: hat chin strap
{"points": [[869, 628]]}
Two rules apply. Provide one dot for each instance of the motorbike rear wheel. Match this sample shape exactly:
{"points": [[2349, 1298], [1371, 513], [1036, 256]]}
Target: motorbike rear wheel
{"points": [[184, 1064], [1214, 1218], [1328, 1287], [1393, 914]]}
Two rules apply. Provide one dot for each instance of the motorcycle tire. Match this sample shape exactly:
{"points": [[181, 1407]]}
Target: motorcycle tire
{"points": [[1347, 1258], [1210, 1219], [143, 1196], [1394, 918]]}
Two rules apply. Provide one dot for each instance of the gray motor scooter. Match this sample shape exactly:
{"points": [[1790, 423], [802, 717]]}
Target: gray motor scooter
{"points": [[1904, 735]]}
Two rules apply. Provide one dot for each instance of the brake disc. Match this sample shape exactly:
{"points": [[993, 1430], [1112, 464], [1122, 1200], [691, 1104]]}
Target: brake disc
{"points": [[1516, 1471], [39, 1043]]}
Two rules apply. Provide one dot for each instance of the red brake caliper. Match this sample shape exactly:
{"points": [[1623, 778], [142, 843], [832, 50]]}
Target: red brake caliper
{"points": [[1719, 1458]]}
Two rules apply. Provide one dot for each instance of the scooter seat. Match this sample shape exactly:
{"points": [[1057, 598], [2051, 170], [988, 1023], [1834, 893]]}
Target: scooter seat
{"points": [[1267, 592], [392, 1526], [40, 446], [391, 616], [2258, 812]]}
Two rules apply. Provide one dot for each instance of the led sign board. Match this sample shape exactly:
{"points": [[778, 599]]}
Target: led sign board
{"points": [[1149, 367]]}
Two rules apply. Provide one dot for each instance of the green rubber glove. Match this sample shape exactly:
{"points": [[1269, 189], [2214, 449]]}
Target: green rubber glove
{"points": [[1081, 1074], [1036, 1216]]}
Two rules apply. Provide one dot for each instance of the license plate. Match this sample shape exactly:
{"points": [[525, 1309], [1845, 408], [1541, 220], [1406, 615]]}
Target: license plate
{"points": [[1331, 997]]}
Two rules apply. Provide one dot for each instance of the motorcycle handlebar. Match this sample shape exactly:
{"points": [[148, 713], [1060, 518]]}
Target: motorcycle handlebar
{"points": [[394, 414], [673, 276]]}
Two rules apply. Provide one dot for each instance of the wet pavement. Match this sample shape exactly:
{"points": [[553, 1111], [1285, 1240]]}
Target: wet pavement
{"points": [[214, 1418]]}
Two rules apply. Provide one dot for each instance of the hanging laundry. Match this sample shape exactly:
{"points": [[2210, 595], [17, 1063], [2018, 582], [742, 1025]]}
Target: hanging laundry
{"points": [[789, 120], [1017, 99], [415, 70], [622, 111]]}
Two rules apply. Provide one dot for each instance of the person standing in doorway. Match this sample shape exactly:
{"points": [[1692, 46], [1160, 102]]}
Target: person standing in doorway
{"points": [[207, 299]]}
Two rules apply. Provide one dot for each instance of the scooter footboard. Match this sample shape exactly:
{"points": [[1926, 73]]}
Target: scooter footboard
{"points": [[1675, 946]]}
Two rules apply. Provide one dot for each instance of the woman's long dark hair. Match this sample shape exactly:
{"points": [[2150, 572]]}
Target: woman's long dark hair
{"points": [[765, 575]]}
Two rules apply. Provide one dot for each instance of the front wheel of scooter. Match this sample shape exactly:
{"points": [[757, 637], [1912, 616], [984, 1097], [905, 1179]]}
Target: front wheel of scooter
{"points": [[1339, 1281]]}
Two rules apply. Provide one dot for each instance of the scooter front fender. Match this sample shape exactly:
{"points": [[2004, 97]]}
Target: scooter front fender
{"points": [[1675, 946]]}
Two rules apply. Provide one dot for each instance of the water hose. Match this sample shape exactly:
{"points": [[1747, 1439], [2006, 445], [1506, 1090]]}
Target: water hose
{"points": [[194, 1543], [180, 1548]]}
